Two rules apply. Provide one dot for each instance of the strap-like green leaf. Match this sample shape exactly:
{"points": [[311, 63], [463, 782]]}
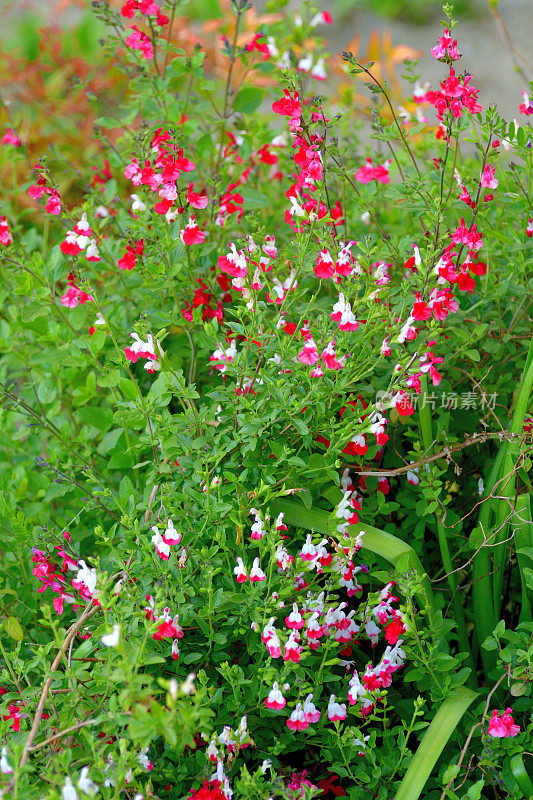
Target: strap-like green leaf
{"points": [[443, 725], [521, 776], [507, 490], [488, 577], [523, 539], [426, 426]]}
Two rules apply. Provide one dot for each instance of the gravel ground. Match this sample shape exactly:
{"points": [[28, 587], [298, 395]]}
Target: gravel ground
{"points": [[482, 44]]}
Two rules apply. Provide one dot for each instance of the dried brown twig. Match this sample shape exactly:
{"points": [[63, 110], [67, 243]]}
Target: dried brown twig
{"points": [[476, 438]]}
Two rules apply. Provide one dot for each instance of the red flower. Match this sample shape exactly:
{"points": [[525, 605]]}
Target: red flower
{"points": [[289, 106], [166, 630], [394, 630]]}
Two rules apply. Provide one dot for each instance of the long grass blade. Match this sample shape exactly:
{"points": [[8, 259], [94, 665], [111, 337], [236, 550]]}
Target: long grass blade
{"points": [[521, 776], [435, 738], [523, 539], [507, 490], [484, 614], [426, 427]]}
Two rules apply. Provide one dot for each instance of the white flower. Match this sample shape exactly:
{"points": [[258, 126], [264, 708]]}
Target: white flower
{"points": [[85, 784], [143, 759], [305, 64], [91, 252], [272, 48], [162, 548], [137, 204], [111, 639], [87, 577], [296, 208], [68, 792], [319, 70], [361, 742], [5, 766], [188, 687]]}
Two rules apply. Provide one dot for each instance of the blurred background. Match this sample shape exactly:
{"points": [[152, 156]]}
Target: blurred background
{"points": [[56, 80], [495, 36]]}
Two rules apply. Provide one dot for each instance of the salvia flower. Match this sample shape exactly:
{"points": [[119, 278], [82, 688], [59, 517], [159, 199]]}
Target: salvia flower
{"points": [[502, 725], [5, 235], [5, 766], [275, 699], [111, 639]]}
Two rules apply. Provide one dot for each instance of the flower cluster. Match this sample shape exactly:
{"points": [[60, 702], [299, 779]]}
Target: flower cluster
{"points": [[320, 621], [5, 234], [368, 172], [168, 626], [162, 543], [454, 97], [74, 294], [55, 576], [42, 187], [145, 8], [144, 349], [79, 239]]}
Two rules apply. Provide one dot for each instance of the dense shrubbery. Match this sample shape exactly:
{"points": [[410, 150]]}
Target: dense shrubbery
{"points": [[265, 524]]}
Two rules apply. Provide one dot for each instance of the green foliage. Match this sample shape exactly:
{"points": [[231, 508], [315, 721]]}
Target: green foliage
{"points": [[199, 452]]}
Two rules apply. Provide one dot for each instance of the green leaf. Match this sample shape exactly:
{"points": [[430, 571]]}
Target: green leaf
{"points": [[248, 100], [53, 265], [100, 418], [125, 490], [130, 418], [300, 426], [433, 743], [98, 340], [528, 577], [451, 773], [46, 390], [13, 629], [128, 388], [107, 122], [254, 199], [417, 129], [474, 792], [190, 658], [521, 775], [109, 441], [32, 311], [203, 145], [109, 378]]}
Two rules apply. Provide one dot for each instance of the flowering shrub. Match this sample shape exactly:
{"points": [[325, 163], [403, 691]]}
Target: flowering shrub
{"points": [[234, 378]]}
